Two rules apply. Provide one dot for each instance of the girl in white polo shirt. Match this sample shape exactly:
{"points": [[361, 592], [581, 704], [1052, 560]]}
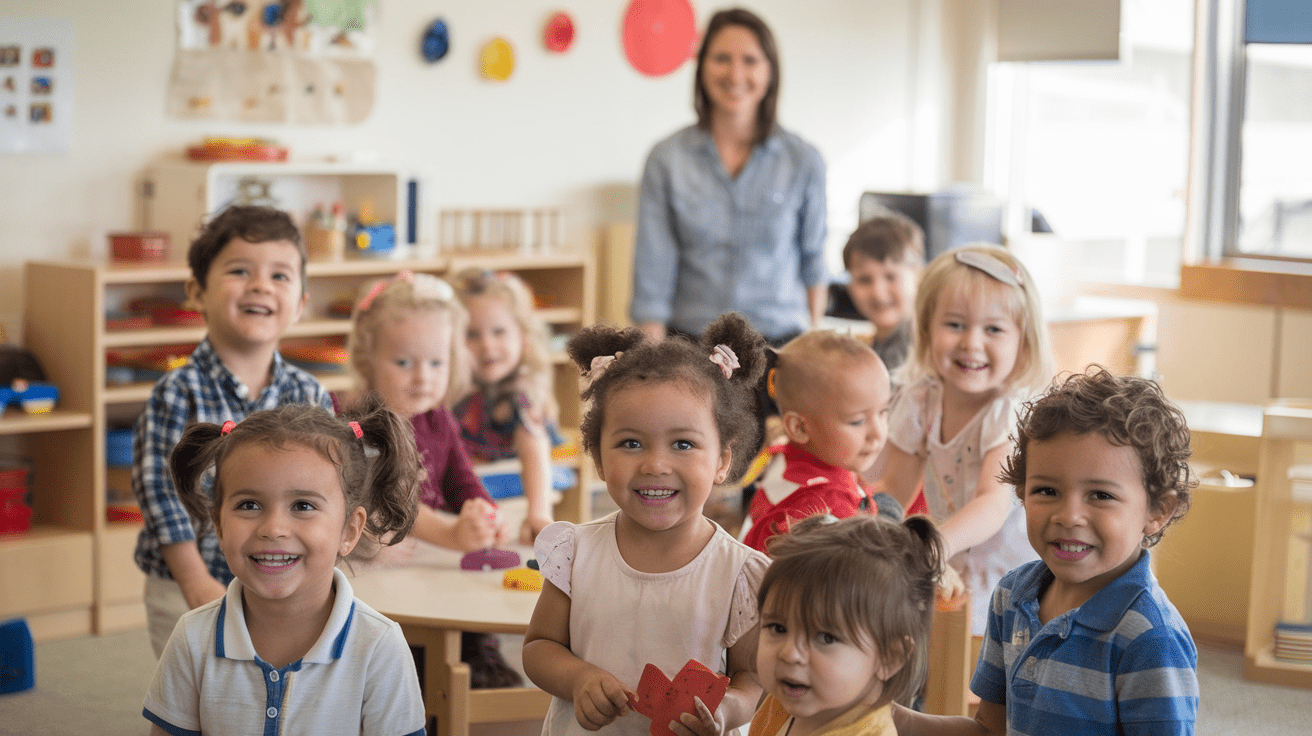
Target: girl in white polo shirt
{"points": [[289, 649]]}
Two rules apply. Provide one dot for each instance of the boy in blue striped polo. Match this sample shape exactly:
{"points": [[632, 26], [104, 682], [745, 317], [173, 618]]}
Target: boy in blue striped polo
{"points": [[1084, 640]]}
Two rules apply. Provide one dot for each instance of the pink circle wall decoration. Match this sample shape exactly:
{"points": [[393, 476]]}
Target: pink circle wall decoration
{"points": [[659, 35], [559, 33]]}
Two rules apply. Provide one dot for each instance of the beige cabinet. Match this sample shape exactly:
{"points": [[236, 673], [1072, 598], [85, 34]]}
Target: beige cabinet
{"points": [[73, 573]]}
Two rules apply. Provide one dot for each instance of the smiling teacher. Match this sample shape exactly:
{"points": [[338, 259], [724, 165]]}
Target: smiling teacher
{"points": [[731, 215]]}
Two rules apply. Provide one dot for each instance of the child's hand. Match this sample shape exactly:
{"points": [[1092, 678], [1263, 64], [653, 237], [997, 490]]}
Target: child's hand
{"points": [[599, 699], [951, 590], [476, 526], [701, 723], [531, 528]]}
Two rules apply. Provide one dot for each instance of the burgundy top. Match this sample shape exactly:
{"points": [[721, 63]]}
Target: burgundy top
{"points": [[451, 480]]}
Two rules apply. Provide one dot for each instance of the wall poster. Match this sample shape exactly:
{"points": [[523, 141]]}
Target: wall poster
{"points": [[36, 84], [290, 61]]}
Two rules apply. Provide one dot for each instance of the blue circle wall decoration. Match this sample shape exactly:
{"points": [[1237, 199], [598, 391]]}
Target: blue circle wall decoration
{"points": [[436, 42]]}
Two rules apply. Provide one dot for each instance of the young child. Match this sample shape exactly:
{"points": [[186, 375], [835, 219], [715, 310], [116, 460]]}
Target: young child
{"points": [[248, 279], [1084, 640], [289, 649], [656, 581], [834, 433], [512, 411], [981, 347], [845, 613], [405, 345], [883, 258]]}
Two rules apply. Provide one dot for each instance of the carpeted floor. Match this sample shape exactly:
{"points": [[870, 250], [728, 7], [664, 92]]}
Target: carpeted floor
{"points": [[95, 686]]}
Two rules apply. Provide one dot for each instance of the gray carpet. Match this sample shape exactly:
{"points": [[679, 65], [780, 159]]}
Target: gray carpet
{"points": [[95, 686]]}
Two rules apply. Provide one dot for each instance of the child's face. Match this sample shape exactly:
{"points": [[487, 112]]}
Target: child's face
{"points": [[252, 293], [283, 523], [974, 341], [845, 424], [882, 291], [1086, 510], [494, 337], [815, 677], [660, 453], [411, 361]]}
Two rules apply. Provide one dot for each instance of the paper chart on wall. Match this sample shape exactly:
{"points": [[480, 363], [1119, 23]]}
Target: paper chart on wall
{"points": [[36, 84], [293, 61]]}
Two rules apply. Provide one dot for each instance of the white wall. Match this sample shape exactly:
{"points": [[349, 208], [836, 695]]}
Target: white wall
{"points": [[567, 130]]}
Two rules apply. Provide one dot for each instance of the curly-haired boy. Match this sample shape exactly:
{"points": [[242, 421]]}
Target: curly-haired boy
{"points": [[1084, 640]]}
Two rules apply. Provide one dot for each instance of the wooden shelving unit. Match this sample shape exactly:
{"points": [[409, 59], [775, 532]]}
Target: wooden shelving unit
{"points": [[73, 574], [1285, 449]]}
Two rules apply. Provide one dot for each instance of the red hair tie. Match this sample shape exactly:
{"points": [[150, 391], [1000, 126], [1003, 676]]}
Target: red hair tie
{"points": [[227, 427], [359, 433]]}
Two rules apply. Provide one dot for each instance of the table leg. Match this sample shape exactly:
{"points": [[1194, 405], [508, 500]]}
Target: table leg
{"points": [[445, 677], [950, 665]]}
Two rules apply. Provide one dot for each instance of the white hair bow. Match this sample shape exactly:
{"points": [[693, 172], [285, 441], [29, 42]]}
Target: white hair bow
{"points": [[724, 357]]}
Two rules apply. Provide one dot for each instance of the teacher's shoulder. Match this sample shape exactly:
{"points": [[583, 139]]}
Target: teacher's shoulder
{"points": [[798, 149]]}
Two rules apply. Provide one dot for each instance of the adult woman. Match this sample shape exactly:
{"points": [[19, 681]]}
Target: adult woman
{"points": [[732, 210]]}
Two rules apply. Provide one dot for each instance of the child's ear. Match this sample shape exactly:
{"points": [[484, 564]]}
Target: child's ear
{"points": [[795, 427], [891, 663], [194, 293], [596, 464], [351, 532], [726, 462], [1158, 517]]}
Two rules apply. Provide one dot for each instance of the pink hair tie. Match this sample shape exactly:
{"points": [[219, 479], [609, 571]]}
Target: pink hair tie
{"points": [[599, 366], [355, 427], [724, 357], [227, 427], [368, 299]]}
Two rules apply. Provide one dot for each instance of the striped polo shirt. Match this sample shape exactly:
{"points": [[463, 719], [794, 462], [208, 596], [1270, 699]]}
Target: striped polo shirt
{"points": [[1122, 663]]}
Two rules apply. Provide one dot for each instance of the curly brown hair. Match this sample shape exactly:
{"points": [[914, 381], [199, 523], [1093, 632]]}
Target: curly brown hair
{"points": [[679, 360], [1129, 412], [866, 578], [252, 223]]}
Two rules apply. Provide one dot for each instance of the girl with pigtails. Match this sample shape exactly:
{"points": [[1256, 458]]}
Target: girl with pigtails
{"points": [[655, 582], [289, 649]]}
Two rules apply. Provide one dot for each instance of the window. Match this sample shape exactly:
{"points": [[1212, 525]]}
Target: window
{"points": [[1100, 149]]}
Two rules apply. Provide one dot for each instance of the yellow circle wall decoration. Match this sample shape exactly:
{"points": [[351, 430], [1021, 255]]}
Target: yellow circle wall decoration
{"points": [[497, 60]]}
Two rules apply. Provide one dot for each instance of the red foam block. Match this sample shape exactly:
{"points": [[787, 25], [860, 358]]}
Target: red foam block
{"points": [[663, 701]]}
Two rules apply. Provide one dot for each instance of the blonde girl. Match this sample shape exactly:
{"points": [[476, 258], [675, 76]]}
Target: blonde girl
{"points": [[981, 348], [406, 346], [511, 412], [294, 488], [656, 581], [845, 614]]}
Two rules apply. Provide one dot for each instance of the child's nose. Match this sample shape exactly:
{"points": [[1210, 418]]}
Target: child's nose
{"points": [[792, 650], [273, 525], [655, 462], [1070, 512]]}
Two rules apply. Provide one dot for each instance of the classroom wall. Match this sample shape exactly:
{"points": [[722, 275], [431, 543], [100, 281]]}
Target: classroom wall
{"points": [[862, 80]]}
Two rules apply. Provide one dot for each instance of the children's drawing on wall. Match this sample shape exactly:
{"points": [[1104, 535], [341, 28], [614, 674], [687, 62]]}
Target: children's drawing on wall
{"points": [[292, 61], [36, 84]]}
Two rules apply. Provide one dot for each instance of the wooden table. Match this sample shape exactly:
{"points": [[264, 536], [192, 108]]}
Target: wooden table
{"points": [[434, 600]]}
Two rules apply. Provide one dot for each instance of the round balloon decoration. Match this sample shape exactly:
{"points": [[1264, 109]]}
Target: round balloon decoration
{"points": [[559, 33], [497, 59], [436, 41], [659, 35]]}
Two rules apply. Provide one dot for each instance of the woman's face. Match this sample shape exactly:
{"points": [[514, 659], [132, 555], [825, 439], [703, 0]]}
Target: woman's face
{"points": [[736, 72]]}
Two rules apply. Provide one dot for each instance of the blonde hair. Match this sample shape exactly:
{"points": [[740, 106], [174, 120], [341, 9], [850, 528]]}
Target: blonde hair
{"points": [[384, 300], [1034, 362], [533, 377], [806, 362]]}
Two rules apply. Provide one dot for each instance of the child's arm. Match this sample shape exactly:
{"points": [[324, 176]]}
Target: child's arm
{"points": [[740, 700], [533, 447], [990, 719], [599, 697], [155, 730], [475, 527], [984, 515], [191, 574], [1160, 676], [903, 473]]}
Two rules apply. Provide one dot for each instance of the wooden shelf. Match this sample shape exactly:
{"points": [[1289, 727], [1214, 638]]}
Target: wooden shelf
{"points": [[1262, 666], [14, 421], [39, 533]]}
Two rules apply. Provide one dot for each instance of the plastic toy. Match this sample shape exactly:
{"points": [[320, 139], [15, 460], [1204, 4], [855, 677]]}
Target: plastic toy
{"points": [[375, 238], [663, 700], [18, 656], [522, 578], [35, 398], [490, 559]]}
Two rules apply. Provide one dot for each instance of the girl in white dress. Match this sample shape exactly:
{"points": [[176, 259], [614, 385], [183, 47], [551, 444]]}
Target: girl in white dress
{"points": [[980, 349], [656, 581]]}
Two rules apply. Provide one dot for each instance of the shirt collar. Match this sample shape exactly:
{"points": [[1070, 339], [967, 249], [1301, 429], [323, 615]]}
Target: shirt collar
{"points": [[803, 468], [232, 639], [772, 143], [1103, 611], [208, 362]]}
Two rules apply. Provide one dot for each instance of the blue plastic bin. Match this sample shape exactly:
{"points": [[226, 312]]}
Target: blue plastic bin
{"points": [[17, 657]]}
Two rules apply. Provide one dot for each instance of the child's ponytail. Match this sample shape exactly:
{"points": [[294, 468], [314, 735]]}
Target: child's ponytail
{"points": [[600, 341], [389, 492], [191, 457]]}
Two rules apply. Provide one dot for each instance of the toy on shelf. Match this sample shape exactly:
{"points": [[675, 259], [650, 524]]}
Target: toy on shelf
{"points": [[316, 358], [143, 246], [370, 235], [538, 230], [237, 149], [144, 366], [15, 514], [23, 382], [325, 233]]}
